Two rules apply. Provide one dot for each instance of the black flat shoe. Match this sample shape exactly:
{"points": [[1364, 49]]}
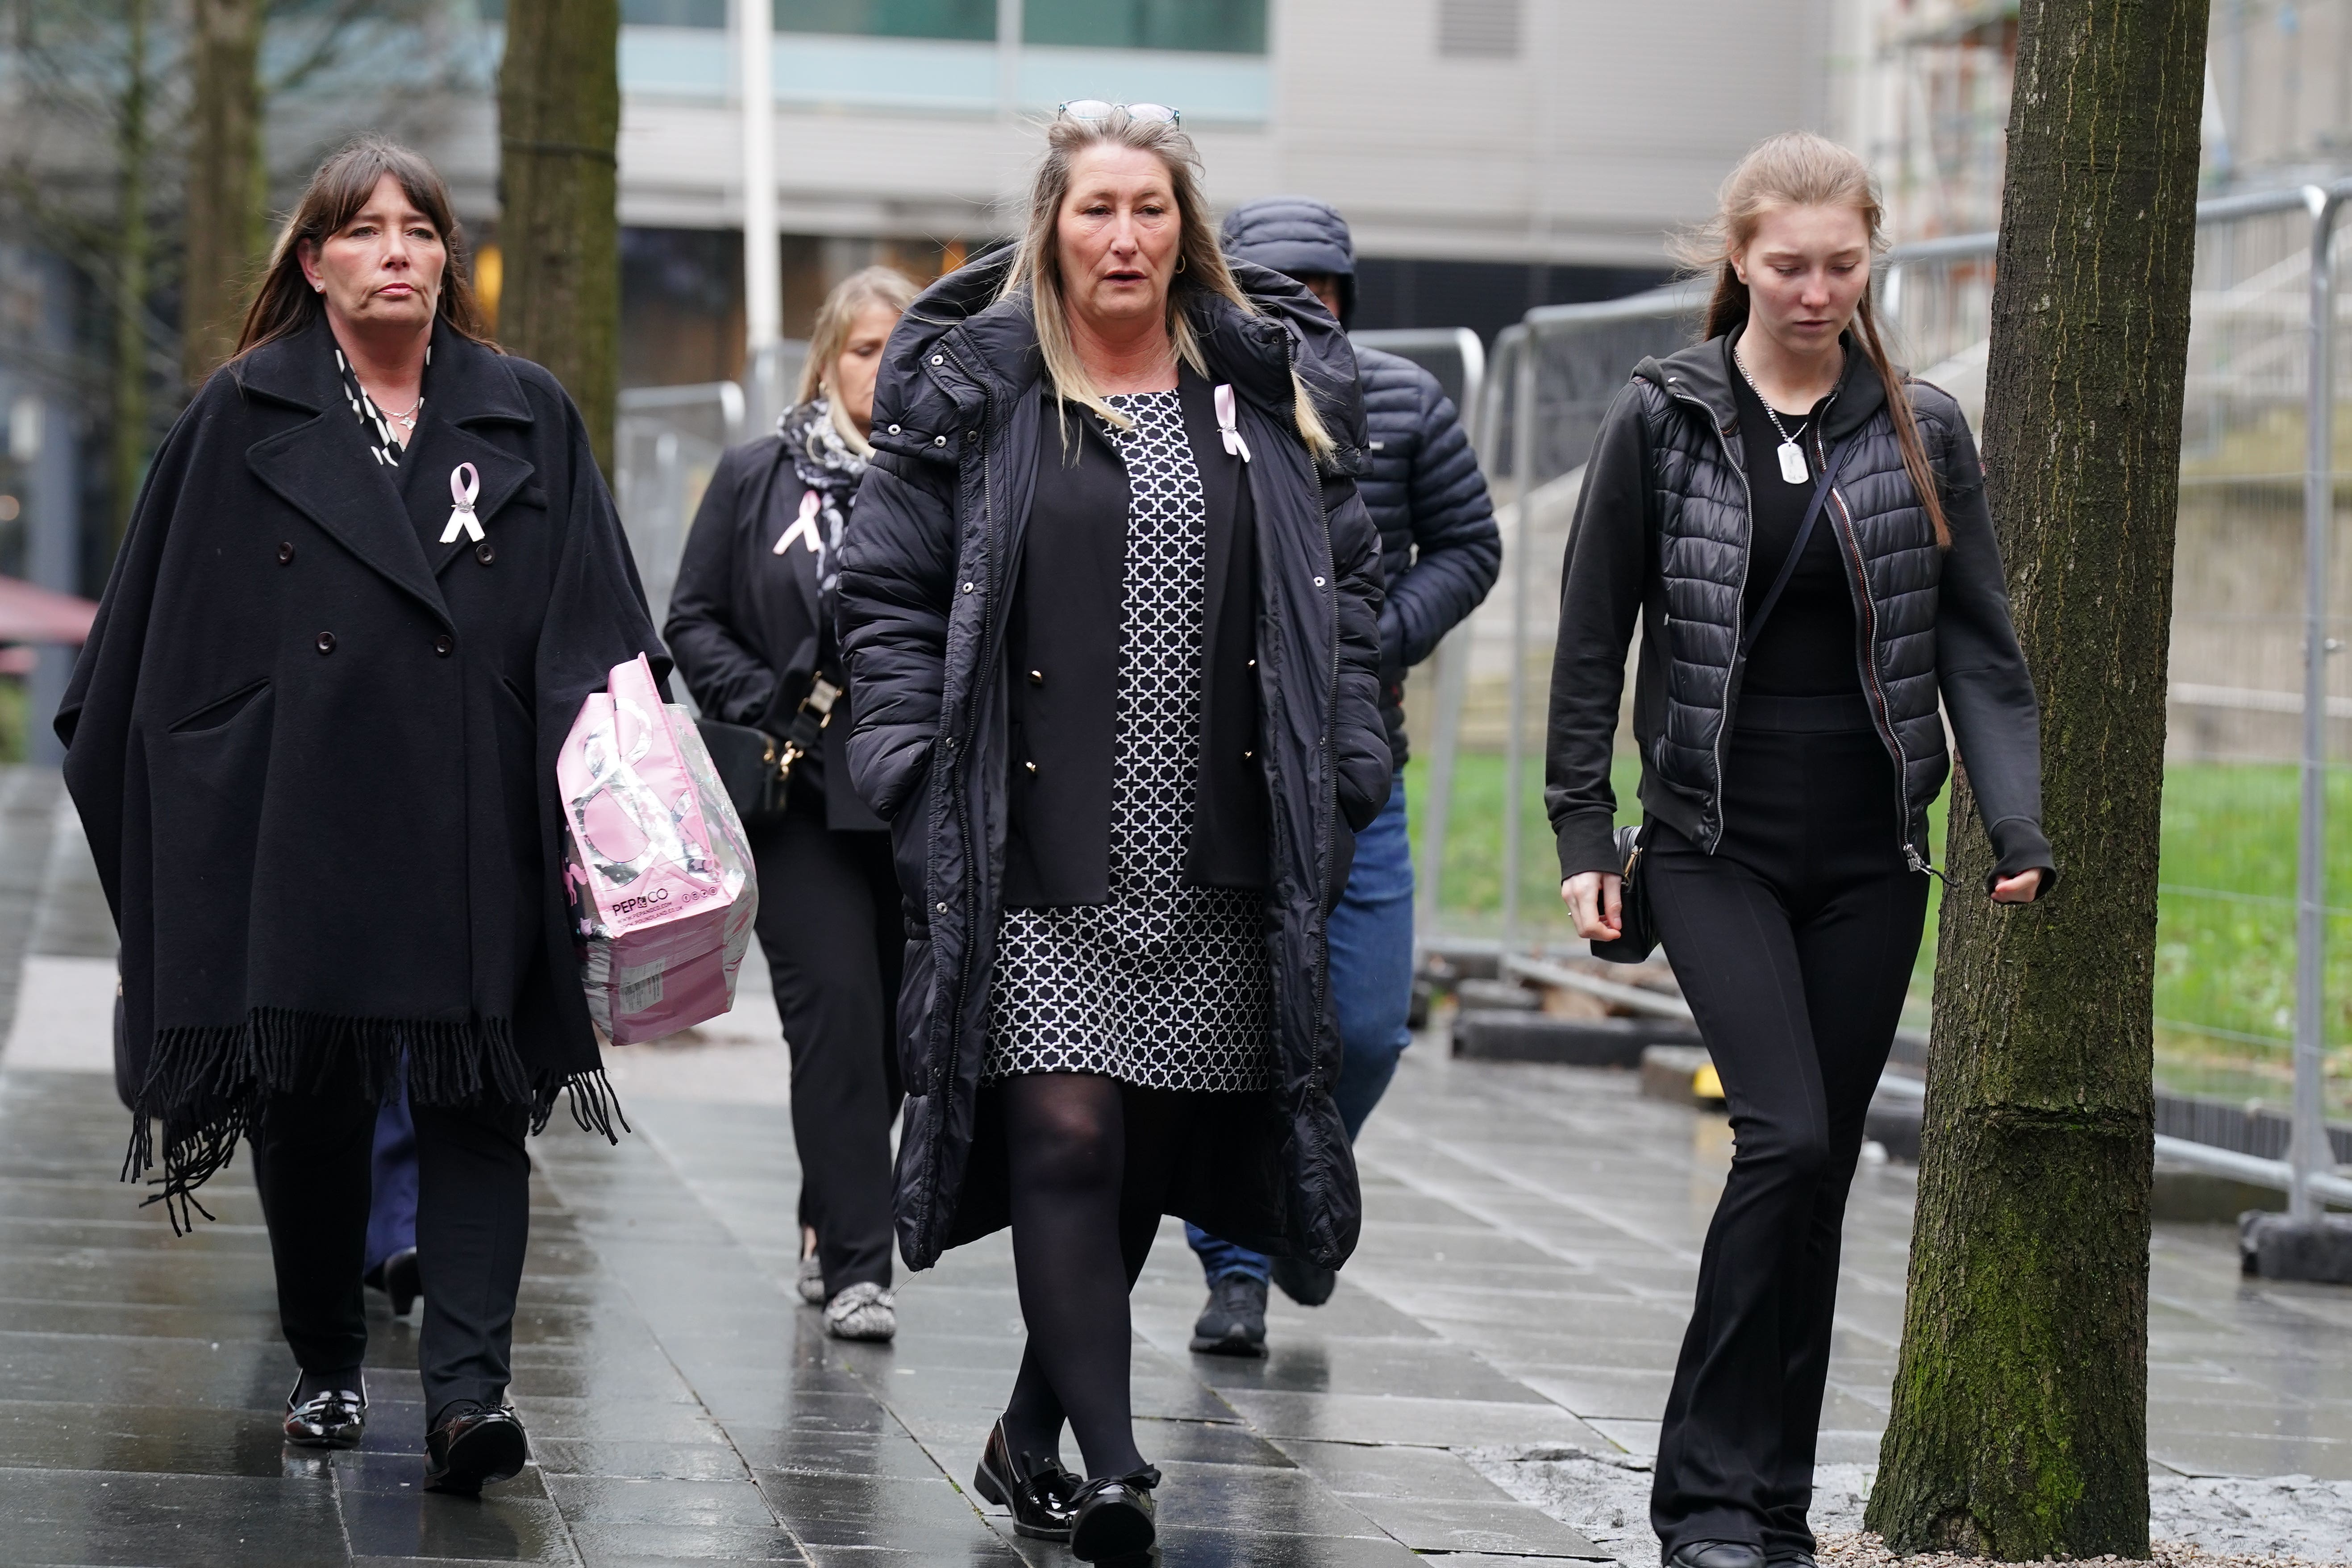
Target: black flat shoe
{"points": [[330, 1418], [1792, 1559], [1043, 1497], [397, 1277], [474, 1446], [1114, 1517], [1716, 1555]]}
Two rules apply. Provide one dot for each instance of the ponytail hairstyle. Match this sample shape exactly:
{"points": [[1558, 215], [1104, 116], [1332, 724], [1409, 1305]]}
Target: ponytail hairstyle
{"points": [[1201, 268], [1799, 169]]}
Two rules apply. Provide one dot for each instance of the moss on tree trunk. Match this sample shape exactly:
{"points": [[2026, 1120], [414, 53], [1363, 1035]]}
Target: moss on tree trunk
{"points": [[559, 232], [2020, 1420]]}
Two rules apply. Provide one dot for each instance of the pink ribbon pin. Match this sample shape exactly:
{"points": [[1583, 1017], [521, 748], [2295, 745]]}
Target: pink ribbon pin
{"points": [[465, 484], [1227, 427]]}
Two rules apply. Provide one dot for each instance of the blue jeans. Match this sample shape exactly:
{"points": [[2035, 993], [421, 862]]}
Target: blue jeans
{"points": [[391, 1203], [1370, 939]]}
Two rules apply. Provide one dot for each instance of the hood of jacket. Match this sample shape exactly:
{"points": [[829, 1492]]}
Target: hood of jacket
{"points": [[967, 325], [1294, 235]]}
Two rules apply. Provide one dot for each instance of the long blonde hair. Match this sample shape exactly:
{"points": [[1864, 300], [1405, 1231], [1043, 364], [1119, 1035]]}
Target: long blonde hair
{"points": [[884, 286], [1799, 169], [1201, 268]]}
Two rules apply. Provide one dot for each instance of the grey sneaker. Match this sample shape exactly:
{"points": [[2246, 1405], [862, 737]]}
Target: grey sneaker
{"points": [[811, 1282], [862, 1312], [1234, 1322]]}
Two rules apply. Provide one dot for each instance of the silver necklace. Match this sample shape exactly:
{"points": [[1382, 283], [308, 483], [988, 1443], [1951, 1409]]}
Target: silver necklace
{"points": [[1792, 456]]}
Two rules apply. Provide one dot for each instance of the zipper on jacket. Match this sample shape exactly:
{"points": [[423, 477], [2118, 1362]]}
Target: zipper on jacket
{"points": [[945, 1063], [1866, 652], [1739, 611], [1330, 791]]}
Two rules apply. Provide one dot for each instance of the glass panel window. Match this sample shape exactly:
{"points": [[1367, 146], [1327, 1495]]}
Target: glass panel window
{"points": [[673, 13], [1212, 26], [972, 19]]}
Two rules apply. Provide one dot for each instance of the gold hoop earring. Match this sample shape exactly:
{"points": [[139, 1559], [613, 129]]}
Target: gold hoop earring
{"points": [[1180, 261]]}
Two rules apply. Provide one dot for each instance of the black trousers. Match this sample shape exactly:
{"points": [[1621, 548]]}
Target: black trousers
{"points": [[311, 1155], [830, 924], [1793, 944]]}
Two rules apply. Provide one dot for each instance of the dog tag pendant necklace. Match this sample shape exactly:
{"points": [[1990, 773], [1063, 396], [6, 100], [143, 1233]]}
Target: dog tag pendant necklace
{"points": [[1792, 456]]}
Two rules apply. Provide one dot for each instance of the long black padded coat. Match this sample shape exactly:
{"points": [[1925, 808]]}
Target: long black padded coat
{"points": [[314, 748], [926, 590]]}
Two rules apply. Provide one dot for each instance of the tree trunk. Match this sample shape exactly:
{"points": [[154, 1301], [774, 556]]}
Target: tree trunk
{"points": [[559, 233], [226, 191], [2020, 1420], [128, 458]]}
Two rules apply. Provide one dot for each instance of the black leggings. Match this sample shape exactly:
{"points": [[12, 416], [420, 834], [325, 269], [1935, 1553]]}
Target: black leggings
{"points": [[1091, 1163], [1794, 943], [830, 925], [312, 1158]]}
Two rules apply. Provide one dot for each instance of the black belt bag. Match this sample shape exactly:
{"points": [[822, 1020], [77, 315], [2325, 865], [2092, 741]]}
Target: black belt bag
{"points": [[755, 767]]}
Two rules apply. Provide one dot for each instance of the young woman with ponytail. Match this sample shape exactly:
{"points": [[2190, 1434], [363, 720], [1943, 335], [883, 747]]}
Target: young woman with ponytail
{"points": [[1800, 532]]}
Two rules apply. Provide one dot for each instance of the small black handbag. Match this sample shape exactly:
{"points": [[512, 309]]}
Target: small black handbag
{"points": [[756, 768], [1637, 931]]}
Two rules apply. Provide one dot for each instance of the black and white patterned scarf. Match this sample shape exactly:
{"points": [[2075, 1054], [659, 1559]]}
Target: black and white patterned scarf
{"points": [[383, 436], [826, 465]]}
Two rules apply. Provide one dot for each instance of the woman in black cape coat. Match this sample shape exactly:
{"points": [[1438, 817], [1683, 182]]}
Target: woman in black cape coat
{"points": [[312, 740]]}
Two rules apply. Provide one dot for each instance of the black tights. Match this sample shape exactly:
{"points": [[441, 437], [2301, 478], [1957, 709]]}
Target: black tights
{"points": [[1090, 1163]]}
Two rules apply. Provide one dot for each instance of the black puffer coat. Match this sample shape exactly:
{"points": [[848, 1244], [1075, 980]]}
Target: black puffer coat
{"points": [[1661, 534], [1440, 549], [925, 590]]}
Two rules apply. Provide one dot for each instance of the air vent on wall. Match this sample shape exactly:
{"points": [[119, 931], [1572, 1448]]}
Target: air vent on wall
{"points": [[1479, 29]]}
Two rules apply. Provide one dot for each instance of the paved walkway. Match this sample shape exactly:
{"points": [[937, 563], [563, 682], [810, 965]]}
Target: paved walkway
{"points": [[1530, 1242]]}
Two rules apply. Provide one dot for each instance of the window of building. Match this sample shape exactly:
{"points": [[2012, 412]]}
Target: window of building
{"points": [[1210, 27], [673, 13], [969, 19], [1479, 29]]}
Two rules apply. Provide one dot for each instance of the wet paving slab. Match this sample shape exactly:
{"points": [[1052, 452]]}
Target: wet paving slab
{"points": [[1531, 1240]]}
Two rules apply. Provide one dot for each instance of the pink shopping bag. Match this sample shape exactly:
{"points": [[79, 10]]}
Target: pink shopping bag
{"points": [[656, 866]]}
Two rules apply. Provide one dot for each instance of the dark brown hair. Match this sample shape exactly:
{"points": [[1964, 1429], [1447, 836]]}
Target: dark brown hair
{"points": [[1799, 169], [286, 304]]}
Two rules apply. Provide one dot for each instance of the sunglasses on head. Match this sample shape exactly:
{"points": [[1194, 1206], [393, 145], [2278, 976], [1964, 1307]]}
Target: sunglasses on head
{"points": [[1096, 108]]}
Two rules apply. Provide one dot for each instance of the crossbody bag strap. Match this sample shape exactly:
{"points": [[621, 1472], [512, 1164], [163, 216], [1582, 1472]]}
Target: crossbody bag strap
{"points": [[1804, 534]]}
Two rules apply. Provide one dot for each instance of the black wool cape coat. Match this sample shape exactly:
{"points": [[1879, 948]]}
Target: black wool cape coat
{"points": [[314, 748]]}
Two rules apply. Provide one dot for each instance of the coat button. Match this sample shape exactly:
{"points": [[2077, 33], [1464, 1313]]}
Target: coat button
{"points": [[894, 429], [942, 909], [939, 440], [1319, 581], [1032, 767], [286, 554], [485, 554], [443, 644], [326, 642], [1036, 678], [966, 587], [1253, 664], [1249, 756], [939, 359]]}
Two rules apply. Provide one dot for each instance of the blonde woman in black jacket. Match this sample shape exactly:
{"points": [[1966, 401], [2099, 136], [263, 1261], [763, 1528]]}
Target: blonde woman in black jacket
{"points": [[1802, 533], [750, 624]]}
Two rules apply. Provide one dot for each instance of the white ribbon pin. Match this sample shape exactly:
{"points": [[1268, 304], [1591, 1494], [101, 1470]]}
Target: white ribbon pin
{"points": [[805, 528], [1225, 426], [465, 484]]}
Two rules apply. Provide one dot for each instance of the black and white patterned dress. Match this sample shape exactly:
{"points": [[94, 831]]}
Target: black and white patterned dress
{"points": [[1164, 986]]}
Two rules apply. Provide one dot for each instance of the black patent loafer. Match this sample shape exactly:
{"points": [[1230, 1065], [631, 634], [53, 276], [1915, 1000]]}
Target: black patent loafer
{"points": [[1716, 1555], [1114, 1517], [1234, 1322], [332, 1419], [397, 1277], [475, 1445], [1041, 1496]]}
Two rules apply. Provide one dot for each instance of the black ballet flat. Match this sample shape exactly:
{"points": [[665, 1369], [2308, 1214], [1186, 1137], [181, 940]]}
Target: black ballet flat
{"points": [[397, 1277], [1043, 1497], [473, 1447], [1114, 1517], [1716, 1555], [332, 1419]]}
